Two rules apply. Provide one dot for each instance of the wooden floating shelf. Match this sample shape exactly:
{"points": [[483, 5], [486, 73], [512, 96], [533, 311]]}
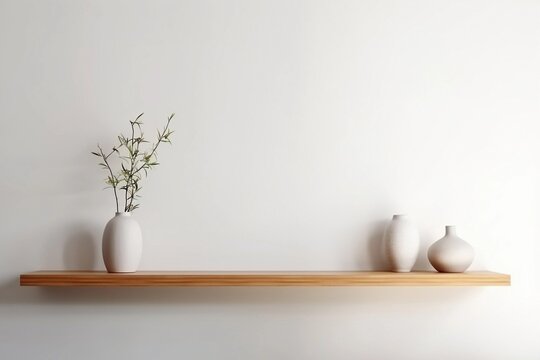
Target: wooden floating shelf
{"points": [[266, 278]]}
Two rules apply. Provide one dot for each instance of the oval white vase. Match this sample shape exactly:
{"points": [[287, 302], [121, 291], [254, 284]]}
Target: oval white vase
{"points": [[122, 244], [401, 243], [451, 254]]}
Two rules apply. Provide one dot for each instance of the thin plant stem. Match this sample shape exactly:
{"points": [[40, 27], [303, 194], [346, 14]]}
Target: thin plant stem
{"points": [[105, 160], [159, 141]]}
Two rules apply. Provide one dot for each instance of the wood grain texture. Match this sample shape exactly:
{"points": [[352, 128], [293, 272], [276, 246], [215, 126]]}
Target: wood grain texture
{"points": [[267, 278]]}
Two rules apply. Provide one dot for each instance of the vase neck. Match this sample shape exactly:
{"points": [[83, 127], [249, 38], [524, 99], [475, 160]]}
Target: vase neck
{"points": [[122, 214], [451, 230]]}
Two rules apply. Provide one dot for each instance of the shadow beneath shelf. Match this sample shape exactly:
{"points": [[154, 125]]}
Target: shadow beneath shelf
{"points": [[12, 293]]}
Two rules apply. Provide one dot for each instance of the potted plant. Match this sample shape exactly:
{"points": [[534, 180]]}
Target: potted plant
{"points": [[135, 156]]}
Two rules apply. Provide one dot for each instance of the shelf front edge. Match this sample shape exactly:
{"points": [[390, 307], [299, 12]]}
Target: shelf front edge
{"points": [[186, 279]]}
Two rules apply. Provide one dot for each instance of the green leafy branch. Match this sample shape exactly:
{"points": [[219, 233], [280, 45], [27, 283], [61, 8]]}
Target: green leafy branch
{"points": [[134, 162]]}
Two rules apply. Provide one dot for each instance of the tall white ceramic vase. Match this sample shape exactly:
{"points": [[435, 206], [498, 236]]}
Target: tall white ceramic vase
{"points": [[122, 243], [451, 254], [401, 243]]}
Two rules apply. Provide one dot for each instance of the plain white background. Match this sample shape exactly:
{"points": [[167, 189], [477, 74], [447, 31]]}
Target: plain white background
{"points": [[301, 125]]}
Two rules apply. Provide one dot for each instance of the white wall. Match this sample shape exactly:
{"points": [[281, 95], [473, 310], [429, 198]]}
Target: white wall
{"points": [[300, 126]]}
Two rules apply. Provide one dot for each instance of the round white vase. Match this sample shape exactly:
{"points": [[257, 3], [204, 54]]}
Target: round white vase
{"points": [[451, 254], [122, 243], [401, 243]]}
